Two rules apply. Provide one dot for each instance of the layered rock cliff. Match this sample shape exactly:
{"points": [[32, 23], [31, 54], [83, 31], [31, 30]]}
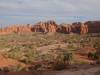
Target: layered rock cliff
{"points": [[93, 26], [80, 28], [51, 26]]}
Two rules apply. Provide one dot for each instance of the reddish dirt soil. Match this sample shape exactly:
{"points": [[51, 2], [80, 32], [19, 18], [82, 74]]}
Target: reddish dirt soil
{"points": [[79, 57]]}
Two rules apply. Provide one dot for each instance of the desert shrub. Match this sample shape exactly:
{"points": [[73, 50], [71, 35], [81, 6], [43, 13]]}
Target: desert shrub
{"points": [[97, 46], [92, 55], [48, 57], [81, 62], [30, 56], [67, 57], [24, 53], [15, 53], [15, 68], [63, 59], [71, 46], [98, 60]]}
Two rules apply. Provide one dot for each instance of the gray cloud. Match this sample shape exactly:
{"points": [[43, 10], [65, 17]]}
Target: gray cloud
{"points": [[50, 8]]}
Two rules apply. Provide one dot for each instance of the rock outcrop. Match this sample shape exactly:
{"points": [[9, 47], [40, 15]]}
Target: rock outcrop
{"points": [[16, 29], [24, 29], [76, 27], [93, 26], [51, 27], [80, 28], [64, 28]]}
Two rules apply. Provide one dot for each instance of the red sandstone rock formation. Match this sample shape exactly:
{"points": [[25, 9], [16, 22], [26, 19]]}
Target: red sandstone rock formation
{"points": [[39, 27], [16, 29], [76, 27], [8, 30], [51, 26], [64, 28], [93, 26], [79, 27], [24, 29]]}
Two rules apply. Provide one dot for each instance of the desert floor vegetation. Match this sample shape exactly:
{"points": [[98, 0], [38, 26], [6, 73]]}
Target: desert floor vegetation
{"points": [[40, 51]]}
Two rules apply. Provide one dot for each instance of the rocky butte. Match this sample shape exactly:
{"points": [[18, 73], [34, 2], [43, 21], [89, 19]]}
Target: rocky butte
{"points": [[52, 26]]}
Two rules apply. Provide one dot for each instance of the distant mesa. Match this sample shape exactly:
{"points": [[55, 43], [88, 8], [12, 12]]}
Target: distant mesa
{"points": [[52, 26]]}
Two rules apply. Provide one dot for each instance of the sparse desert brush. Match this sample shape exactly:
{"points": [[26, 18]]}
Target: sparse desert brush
{"points": [[67, 57], [15, 68], [93, 55], [25, 53], [97, 45], [81, 62], [30, 56], [15, 53], [24, 48], [48, 57], [71, 46], [63, 59]]}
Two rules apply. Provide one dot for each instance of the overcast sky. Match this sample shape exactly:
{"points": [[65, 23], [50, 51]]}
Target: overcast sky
{"points": [[31, 11]]}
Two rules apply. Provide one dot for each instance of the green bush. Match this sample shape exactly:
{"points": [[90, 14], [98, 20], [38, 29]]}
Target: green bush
{"points": [[97, 46], [15, 53], [30, 56], [26, 54], [65, 55], [15, 68], [63, 59], [92, 55], [81, 62]]}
